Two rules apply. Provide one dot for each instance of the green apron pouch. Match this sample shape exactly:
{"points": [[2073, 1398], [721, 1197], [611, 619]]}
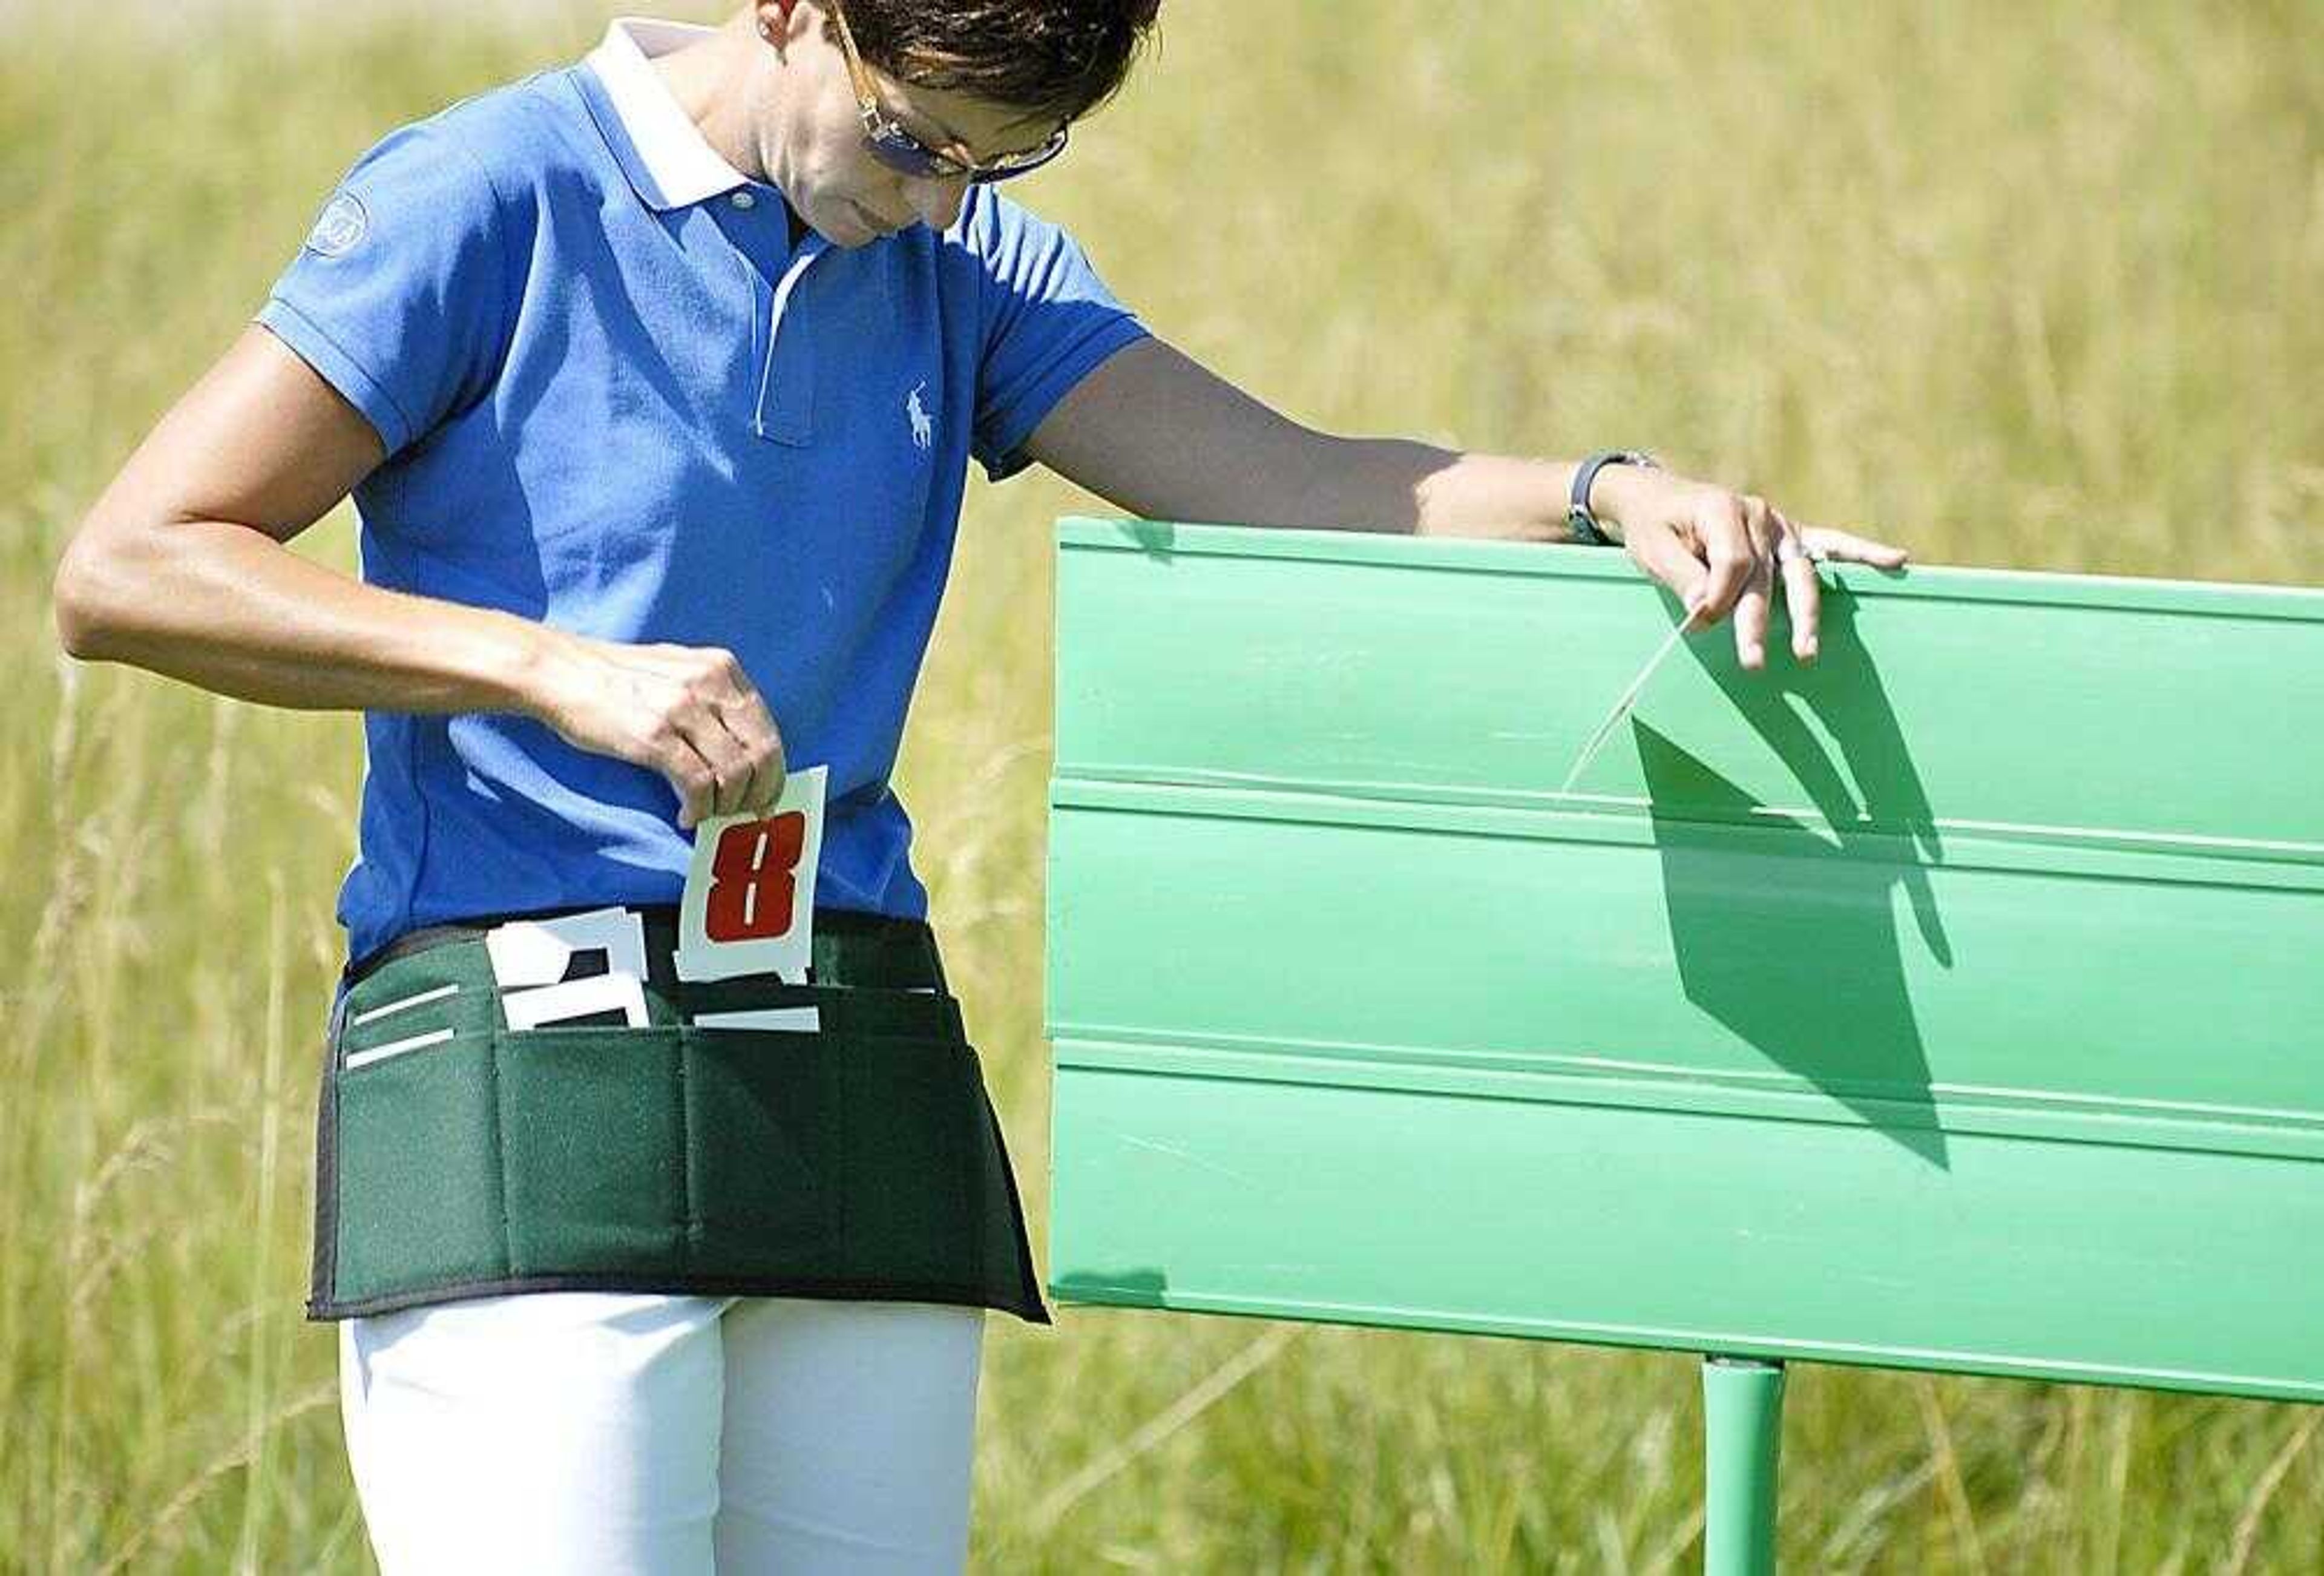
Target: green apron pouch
{"points": [[457, 1158]]}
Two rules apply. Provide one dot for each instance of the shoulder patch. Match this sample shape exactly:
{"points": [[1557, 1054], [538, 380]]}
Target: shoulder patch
{"points": [[341, 226]]}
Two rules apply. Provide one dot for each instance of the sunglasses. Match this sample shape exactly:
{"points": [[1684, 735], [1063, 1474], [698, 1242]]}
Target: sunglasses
{"points": [[905, 153]]}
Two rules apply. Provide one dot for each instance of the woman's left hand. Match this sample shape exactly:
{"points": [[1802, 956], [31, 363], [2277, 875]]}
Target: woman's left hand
{"points": [[1722, 552]]}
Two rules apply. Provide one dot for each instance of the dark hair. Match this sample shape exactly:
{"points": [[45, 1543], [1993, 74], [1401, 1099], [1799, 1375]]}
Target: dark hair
{"points": [[1058, 58]]}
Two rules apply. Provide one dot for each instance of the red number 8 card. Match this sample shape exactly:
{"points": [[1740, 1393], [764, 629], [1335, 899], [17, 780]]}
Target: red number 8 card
{"points": [[748, 907]]}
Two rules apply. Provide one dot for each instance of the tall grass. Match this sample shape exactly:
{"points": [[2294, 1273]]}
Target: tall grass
{"points": [[2022, 286]]}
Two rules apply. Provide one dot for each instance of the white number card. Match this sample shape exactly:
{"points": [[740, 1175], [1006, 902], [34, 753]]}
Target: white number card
{"points": [[748, 907], [602, 951]]}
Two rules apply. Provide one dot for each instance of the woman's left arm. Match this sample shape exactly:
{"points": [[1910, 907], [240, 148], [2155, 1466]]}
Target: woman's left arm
{"points": [[1154, 432]]}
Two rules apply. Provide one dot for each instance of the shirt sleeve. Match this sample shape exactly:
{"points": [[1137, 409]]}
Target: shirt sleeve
{"points": [[1048, 320], [400, 297]]}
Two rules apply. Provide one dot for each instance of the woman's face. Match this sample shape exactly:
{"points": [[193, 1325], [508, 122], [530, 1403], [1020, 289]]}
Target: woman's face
{"points": [[812, 145]]}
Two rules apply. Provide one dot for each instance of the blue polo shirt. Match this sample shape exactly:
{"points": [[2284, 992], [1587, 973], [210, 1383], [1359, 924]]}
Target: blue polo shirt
{"points": [[616, 399]]}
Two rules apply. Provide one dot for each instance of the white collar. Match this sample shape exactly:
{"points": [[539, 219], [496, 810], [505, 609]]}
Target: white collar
{"points": [[683, 164]]}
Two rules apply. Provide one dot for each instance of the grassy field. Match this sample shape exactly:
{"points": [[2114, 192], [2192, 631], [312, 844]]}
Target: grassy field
{"points": [[2017, 286]]}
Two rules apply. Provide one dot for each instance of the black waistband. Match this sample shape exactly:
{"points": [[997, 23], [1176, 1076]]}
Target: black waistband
{"points": [[850, 947]]}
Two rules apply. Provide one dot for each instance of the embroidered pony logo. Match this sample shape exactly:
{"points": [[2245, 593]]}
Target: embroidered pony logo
{"points": [[923, 430]]}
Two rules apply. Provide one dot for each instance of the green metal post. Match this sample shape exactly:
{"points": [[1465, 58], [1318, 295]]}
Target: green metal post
{"points": [[1742, 1426]]}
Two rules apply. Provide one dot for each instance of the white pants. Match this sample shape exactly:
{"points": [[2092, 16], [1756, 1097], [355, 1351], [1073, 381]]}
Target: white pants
{"points": [[595, 1433]]}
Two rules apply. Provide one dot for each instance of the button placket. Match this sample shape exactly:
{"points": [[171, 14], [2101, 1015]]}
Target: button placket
{"points": [[789, 423], [757, 225]]}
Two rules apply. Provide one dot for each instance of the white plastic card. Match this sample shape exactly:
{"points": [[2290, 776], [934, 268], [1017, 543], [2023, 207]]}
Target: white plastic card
{"points": [[749, 905], [797, 1020], [530, 958], [536, 952], [552, 1004]]}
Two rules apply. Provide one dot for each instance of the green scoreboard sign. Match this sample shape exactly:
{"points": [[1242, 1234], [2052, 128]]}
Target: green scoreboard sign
{"points": [[1954, 1003]]}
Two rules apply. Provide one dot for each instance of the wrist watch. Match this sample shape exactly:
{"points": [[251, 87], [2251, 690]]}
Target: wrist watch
{"points": [[1577, 517]]}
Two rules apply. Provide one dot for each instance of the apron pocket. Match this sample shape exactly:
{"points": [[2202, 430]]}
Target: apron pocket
{"points": [[595, 1128], [415, 1138], [852, 1159], [767, 1156], [929, 1178]]}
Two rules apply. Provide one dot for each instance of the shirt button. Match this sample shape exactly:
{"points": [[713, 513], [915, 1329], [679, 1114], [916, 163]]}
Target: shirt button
{"points": [[743, 200]]}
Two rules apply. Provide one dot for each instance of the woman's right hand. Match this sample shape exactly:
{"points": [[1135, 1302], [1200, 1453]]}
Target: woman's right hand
{"points": [[689, 712]]}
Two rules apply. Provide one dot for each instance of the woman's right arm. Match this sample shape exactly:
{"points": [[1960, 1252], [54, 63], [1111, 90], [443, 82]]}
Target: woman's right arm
{"points": [[180, 567]]}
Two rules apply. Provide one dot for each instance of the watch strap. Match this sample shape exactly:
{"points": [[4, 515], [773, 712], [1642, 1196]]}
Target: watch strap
{"points": [[1577, 516]]}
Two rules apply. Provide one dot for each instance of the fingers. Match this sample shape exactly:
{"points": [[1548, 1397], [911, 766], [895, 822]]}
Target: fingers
{"points": [[695, 777], [733, 769], [1751, 546], [753, 729], [1723, 524], [734, 738], [1718, 528], [692, 714], [1748, 538], [1725, 552], [1826, 544], [1669, 559], [1751, 607], [1802, 591]]}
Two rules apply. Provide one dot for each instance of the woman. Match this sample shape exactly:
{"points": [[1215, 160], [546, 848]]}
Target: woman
{"points": [[659, 1201]]}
